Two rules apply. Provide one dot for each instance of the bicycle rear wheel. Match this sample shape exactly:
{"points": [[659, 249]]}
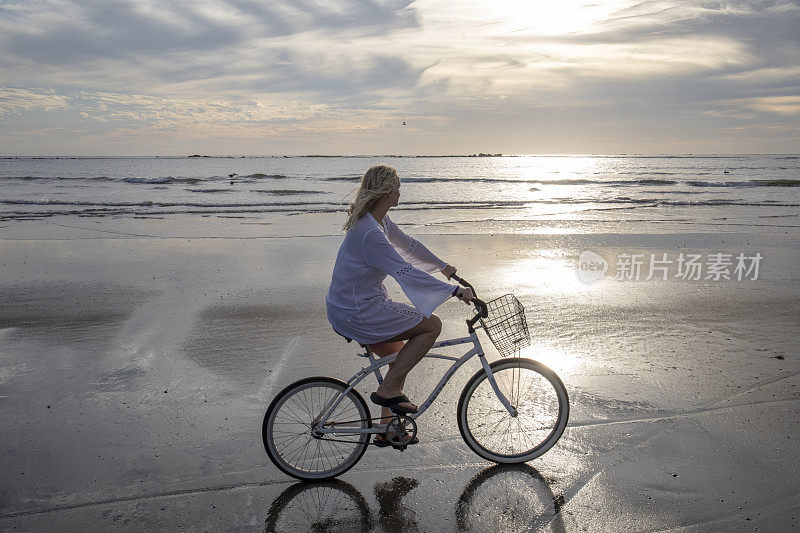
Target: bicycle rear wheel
{"points": [[297, 410], [542, 411]]}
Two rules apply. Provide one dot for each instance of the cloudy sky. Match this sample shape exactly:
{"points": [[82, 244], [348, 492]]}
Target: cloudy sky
{"points": [[160, 77]]}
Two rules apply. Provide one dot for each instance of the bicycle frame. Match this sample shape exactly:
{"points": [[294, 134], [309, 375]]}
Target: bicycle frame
{"points": [[377, 363]]}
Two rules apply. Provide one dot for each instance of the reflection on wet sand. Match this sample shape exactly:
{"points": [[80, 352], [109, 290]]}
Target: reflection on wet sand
{"points": [[393, 514], [499, 498], [509, 498], [324, 506]]}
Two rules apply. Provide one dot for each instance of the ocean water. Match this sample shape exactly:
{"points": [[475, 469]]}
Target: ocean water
{"points": [[745, 189]]}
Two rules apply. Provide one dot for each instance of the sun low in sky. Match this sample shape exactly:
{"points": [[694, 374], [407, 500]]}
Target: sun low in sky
{"points": [[161, 77]]}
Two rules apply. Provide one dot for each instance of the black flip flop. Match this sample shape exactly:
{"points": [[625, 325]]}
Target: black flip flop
{"points": [[393, 403], [384, 442]]}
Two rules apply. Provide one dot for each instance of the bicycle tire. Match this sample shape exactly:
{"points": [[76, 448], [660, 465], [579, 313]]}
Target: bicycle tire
{"points": [[290, 450], [534, 390]]}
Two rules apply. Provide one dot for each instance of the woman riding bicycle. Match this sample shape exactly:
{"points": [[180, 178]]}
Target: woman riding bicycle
{"points": [[511, 410], [358, 305]]}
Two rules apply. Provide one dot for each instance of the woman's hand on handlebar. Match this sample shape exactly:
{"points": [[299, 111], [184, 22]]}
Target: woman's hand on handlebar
{"points": [[448, 271], [465, 294]]}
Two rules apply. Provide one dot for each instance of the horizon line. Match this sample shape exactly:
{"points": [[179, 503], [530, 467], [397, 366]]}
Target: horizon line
{"points": [[364, 156]]}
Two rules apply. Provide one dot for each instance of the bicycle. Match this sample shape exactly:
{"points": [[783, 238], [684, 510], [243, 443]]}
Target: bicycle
{"points": [[511, 411]]}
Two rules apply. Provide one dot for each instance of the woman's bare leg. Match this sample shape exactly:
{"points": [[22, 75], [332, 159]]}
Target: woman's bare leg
{"points": [[384, 349], [419, 339]]}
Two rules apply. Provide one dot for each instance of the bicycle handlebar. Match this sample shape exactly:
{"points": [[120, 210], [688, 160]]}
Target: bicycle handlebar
{"points": [[480, 305]]}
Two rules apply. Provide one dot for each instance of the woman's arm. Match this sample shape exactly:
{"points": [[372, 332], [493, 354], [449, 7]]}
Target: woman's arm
{"points": [[414, 251], [424, 291]]}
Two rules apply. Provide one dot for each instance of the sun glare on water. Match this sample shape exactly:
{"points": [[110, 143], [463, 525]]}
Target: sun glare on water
{"points": [[566, 167], [550, 272], [560, 361]]}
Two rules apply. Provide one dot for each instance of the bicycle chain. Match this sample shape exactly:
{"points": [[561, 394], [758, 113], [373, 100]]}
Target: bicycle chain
{"points": [[350, 422]]}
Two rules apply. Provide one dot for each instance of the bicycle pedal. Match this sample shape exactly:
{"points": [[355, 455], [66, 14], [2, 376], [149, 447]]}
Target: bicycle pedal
{"points": [[401, 447]]}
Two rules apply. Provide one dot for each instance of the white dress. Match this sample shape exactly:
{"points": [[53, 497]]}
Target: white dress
{"points": [[357, 303]]}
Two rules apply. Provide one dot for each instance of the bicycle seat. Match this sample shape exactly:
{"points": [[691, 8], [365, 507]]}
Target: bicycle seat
{"points": [[348, 339]]}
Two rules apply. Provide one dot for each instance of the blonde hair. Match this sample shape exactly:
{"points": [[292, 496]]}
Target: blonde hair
{"points": [[378, 180]]}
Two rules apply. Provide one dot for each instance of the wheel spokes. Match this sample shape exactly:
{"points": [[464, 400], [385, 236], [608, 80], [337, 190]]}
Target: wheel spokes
{"points": [[299, 414], [537, 405]]}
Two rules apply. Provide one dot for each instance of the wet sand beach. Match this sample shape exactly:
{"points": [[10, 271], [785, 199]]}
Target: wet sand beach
{"points": [[139, 356]]}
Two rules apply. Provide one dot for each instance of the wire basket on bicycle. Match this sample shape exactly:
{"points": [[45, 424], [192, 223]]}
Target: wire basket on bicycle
{"points": [[506, 326]]}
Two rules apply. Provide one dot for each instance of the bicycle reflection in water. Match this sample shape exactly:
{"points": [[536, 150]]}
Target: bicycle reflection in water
{"points": [[500, 498]]}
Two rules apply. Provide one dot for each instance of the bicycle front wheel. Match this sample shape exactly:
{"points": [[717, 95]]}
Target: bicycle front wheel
{"points": [[294, 413], [539, 397]]}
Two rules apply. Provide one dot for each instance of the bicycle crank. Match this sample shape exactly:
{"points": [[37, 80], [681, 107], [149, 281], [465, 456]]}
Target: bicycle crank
{"points": [[401, 431]]}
